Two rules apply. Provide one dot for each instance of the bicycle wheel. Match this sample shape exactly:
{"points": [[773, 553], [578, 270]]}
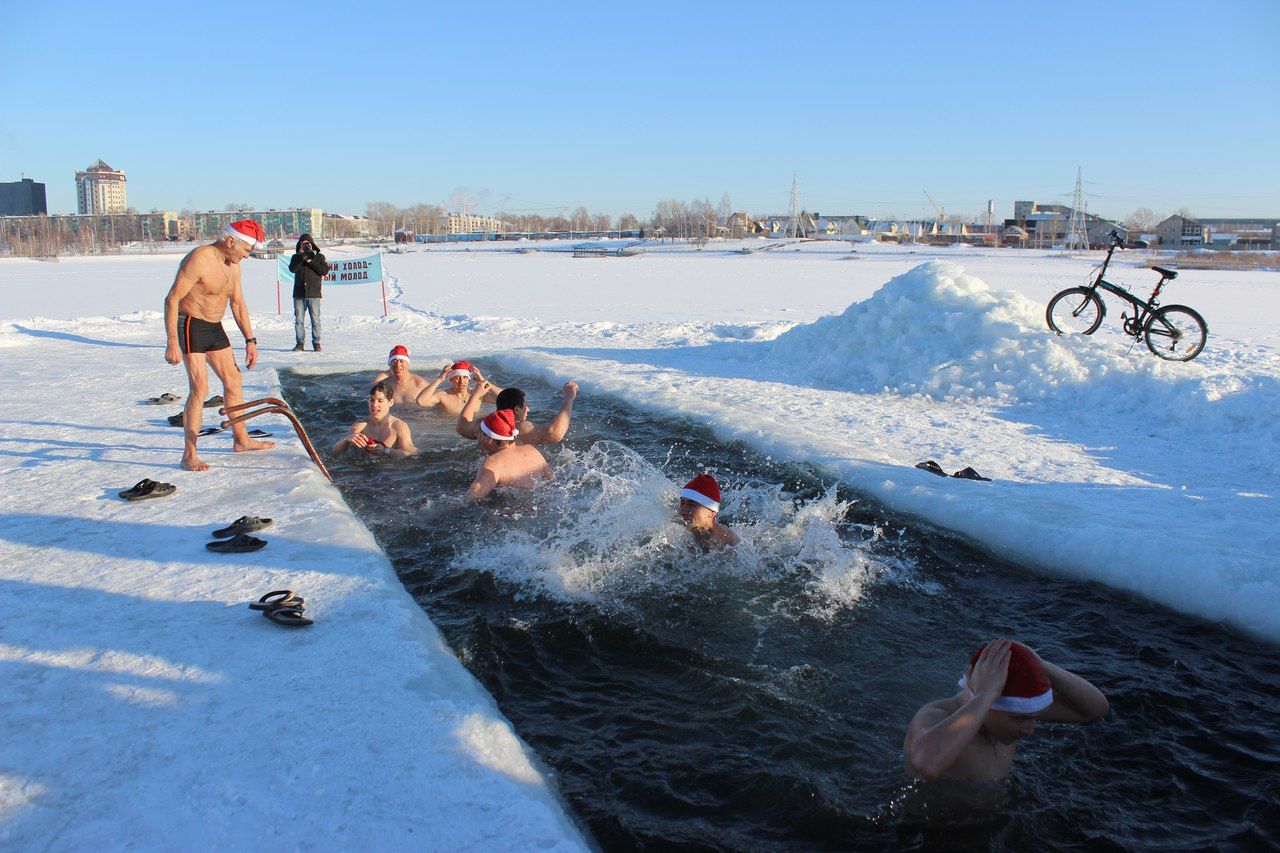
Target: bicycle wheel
{"points": [[1176, 333], [1077, 310]]}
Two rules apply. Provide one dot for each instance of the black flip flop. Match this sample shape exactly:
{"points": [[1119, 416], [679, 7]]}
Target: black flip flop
{"points": [[970, 474], [243, 524], [243, 543], [146, 489], [289, 616], [209, 430], [213, 402], [163, 398], [259, 433], [175, 420], [276, 599], [932, 467]]}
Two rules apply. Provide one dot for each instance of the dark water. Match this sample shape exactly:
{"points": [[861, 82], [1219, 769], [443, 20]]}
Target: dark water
{"points": [[759, 701]]}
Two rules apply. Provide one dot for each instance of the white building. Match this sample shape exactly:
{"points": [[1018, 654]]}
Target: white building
{"points": [[101, 189], [469, 223]]}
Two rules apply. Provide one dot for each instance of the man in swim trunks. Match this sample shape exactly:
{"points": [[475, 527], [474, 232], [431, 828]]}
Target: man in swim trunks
{"points": [[700, 510], [208, 279], [381, 433], [452, 400], [1007, 688], [513, 398], [506, 463], [405, 386]]}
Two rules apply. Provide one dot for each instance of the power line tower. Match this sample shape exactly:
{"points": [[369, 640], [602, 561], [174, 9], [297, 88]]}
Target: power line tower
{"points": [[795, 228], [1077, 232]]}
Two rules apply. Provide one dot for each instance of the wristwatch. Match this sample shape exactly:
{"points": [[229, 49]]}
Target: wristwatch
{"points": [[250, 340]]}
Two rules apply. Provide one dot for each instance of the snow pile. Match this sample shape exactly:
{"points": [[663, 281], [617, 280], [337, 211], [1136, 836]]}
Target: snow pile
{"points": [[939, 332]]}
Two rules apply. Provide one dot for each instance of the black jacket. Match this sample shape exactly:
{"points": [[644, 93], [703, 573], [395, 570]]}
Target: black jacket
{"points": [[308, 270]]}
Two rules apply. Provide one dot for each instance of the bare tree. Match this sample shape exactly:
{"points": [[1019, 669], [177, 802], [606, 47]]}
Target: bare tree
{"points": [[1185, 213], [580, 219], [1142, 219], [238, 207], [384, 213], [628, 222]]}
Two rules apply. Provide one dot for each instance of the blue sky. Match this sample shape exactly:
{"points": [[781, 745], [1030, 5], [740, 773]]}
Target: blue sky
{"points": [[617, 106]]}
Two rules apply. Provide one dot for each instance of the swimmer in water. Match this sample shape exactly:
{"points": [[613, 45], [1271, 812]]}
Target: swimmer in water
{"points": [[973, 736], [382, 434], [405, 386], [699, 508], [513, 398], [452, 400], [506, 462]]}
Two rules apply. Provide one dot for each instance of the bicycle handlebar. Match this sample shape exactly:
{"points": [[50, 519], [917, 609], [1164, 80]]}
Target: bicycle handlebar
{"points": [[1115, 240]]}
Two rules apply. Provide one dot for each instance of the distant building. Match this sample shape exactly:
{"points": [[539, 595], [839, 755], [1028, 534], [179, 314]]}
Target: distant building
{"points": [[277, 223], [1046, 225], [92, 230], [22, 198], [101, 189], [1182, 231], [469, 223]]}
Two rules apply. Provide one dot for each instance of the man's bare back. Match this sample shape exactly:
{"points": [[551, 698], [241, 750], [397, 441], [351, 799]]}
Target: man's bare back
{"points": [[506, 463]]}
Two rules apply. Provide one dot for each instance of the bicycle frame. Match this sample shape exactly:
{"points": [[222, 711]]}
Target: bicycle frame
{"points": [[1142, 310]]}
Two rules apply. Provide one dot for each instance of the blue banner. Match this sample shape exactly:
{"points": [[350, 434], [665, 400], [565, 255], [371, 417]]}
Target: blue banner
{"points": [[366, 270]]}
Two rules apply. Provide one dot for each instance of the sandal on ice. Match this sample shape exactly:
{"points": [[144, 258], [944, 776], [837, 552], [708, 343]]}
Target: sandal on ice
{"points": [[145, 489], [243, 524], [209, 430], [175, 420], [163, 398], [277, 599], [289, 616], [932, 467], [259, 433], [970, 474], [243, 543], [213, 401]]}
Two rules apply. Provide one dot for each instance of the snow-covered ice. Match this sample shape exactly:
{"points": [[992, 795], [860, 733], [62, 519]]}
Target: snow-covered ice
{"points": [[141, 702]]}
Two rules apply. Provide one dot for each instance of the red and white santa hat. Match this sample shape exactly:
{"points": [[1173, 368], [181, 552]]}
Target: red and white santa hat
{"points": [[246, 230], [703, 489], [1027, 689], [459, 368], [501, 425], [399, 351]]}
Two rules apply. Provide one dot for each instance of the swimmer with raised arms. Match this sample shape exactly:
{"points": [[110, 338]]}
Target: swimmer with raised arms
{"points": [[382, 433], [454, 399], [1006, 690], [506, 463]]}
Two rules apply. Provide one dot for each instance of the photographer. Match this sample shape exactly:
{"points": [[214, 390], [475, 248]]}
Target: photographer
{"points": [[309, 269]]}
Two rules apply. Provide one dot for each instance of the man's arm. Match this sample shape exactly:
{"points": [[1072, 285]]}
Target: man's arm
{"points": [[490, 395], [182, 284], [428, 396], [319, 265], [467, 427], [936, 740], [1075, 700], [404, 441], [295, 262], [355, 438], [240, 311], [556, 430], [486, 482]]}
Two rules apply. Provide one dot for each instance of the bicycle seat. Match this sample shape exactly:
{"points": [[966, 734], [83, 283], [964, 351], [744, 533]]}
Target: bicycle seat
{"points": [[1169, 274]]}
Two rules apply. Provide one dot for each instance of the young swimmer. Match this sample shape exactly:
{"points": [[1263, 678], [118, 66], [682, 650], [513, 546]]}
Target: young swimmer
{"points": [[699, 506], [513, 398], [405, 386], [973, 736], [506, 463], [382, 433], [453, 399]]}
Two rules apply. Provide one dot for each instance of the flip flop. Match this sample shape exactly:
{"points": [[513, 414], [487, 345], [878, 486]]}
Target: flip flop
{"points": [[145, 489], [163, 398], [289, 616], [243, 543], [278, 598], [970, 474], [243, 524], [213, 401], [175, 420], [932, 467], [259, 433], [209, 430]]}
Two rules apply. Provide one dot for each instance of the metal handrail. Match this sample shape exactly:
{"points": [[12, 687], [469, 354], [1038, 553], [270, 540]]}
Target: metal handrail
{"points": [[274, 406]]}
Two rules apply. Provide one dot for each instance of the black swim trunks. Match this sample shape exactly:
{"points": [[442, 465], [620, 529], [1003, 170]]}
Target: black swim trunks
{"points": [[196, 335]]}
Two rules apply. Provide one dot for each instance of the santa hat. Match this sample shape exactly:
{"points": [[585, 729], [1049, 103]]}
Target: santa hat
{"points": [[398, 351], [1027, 688], [461, 368], [703, 489], [246, 230], [501, 425]]}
